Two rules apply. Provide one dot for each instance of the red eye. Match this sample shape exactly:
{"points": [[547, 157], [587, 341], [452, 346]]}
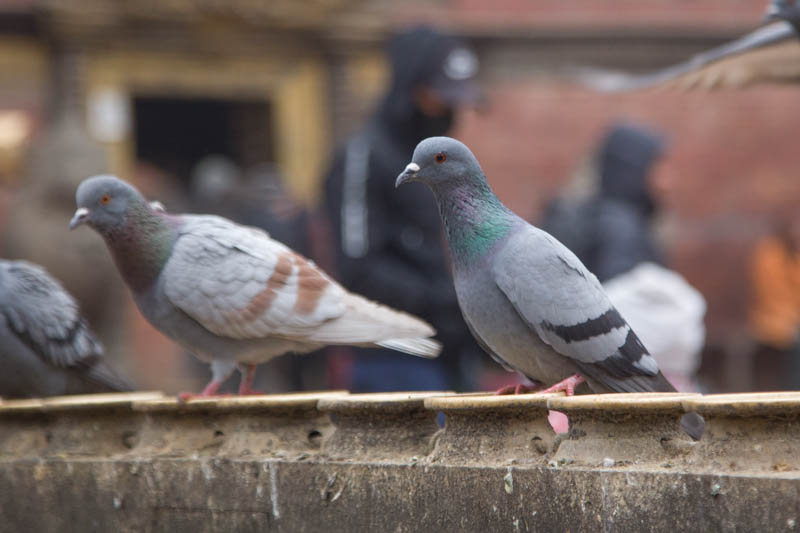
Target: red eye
{"points": [[441, 157], [105, 199]]}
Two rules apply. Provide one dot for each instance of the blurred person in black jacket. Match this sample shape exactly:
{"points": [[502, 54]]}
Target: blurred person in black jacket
{"points": [[389, 241]]}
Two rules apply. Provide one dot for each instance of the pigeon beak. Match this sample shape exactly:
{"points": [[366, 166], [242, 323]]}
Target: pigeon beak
{"points": [[80, 216], [409, 174]]}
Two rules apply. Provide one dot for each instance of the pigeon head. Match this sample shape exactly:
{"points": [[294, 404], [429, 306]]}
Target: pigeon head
{"points": [[441, 161], [104, 202]]}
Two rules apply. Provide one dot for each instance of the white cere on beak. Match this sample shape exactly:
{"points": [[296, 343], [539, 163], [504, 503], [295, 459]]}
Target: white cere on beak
{"points": [[79, 217], [412, 167]]}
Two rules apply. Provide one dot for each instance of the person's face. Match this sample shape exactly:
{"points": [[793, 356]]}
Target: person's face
{"points": [[662, 178], [430, 103]]}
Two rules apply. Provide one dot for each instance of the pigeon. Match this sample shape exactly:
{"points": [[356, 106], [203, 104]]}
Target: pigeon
{"points": [[769, 54], [230, 294], [46, 348], [527, 299]]}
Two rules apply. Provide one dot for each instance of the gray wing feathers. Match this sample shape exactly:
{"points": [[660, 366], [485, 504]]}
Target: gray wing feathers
{"points": [[565, 304], [46, 319], [44, 316], [238, 283], [610, 81]]}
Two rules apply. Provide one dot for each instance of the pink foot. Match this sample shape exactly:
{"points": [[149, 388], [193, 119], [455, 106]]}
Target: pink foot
{"points": [[250, 392], [209, 392], [558, 421], [246, 385], [517, 389], [186, 396], [567, 385]]}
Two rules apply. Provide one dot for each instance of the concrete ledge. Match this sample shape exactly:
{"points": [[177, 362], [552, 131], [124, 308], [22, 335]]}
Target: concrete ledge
{"points": [[212, 494], [500, 429], [338, 462], [619, 429], [749, 432], [386, 427]]}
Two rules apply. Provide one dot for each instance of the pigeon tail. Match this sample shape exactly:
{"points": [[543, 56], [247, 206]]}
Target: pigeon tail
{"points": [[102, 375], [421, 347], [367, 322]]}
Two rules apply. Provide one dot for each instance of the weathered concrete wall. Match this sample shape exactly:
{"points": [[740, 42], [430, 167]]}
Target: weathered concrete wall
{"points": [[336, 462]]}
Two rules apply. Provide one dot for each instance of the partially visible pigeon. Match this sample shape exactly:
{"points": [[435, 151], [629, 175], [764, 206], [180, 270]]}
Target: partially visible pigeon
{"points": [[528, 300], [769, 54], [229, 293], [46, 348]]}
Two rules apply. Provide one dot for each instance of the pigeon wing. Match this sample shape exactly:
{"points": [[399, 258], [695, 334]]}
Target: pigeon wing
{"points": [[565, 304], [44, 316], [239, 283], [769, 53]]}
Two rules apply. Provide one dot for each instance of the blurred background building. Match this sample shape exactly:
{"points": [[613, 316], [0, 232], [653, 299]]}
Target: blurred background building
{"points": [[146, 90]]}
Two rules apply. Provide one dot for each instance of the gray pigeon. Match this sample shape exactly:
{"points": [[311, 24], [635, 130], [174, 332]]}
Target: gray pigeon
{"points": [[526, 298], [230, 294], [770, 54], [46, 348]]}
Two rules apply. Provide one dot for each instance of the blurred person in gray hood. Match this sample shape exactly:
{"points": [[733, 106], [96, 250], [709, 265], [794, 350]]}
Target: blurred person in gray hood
{"points": [[610, 227], [611, 230]]}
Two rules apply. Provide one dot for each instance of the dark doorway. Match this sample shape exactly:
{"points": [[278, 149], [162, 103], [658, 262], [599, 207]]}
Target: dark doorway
{"points": [[173, 134]]}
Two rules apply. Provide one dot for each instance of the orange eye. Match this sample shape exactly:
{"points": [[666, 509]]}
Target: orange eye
{"points": [[441, 157], [106, 198]]}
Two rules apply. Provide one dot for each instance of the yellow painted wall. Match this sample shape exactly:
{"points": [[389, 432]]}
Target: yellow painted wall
{"points": [[296, 88], [23, 71]]}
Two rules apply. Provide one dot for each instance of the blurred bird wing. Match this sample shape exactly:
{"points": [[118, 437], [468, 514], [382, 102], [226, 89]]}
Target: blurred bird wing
{"points": [[238, 283], [44, 316], [565, 304], [768, 54], [779, 63]]}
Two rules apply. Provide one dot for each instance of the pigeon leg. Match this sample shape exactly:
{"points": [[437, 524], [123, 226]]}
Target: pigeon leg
{"points": [[220, 371], [246, 385], [210, 390], [567, 385]]}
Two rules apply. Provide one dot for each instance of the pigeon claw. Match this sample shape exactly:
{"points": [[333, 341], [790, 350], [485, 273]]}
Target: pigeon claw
{"points": [[187, 396], [209, 392], [568, 385], [250, 392]]}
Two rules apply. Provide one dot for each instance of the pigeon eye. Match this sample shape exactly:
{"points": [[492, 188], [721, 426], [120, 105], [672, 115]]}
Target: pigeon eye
{"points": [[105, 199], [441, 157]]}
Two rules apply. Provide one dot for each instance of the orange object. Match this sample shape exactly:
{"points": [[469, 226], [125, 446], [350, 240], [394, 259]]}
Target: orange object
{"points": [[775, 312]]}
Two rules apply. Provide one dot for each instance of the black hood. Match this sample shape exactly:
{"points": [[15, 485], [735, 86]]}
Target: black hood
{"points": [[416, 58], [625, 160]]}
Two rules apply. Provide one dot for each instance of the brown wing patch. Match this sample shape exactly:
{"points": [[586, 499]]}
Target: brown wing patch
{"points": [[311, 283], [263, 300]]}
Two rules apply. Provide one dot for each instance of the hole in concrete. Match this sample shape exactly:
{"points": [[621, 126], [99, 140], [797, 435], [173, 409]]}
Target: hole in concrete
{"points": [[129, 439], [219, 433], [315, 437], [539, 445], [48, 436]]}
